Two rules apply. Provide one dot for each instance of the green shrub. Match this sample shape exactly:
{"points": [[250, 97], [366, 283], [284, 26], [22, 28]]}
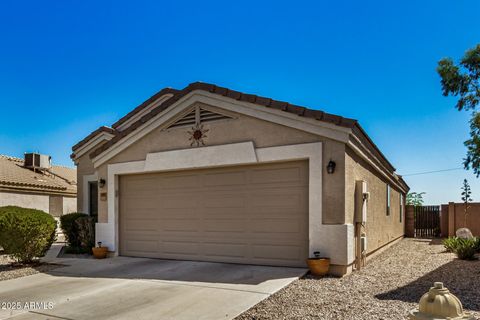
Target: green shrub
{"points": [[86, 232], [466, 248], [26, 233], [450, 244], [70, 228]]}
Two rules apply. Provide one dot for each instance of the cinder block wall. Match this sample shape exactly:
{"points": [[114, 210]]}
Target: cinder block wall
{"points": [[453, 218]]}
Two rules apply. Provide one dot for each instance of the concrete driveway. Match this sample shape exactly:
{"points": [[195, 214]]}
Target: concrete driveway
{"points": [[138, 288]]}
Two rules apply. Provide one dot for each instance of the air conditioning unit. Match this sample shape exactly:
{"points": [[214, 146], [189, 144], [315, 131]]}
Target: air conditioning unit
{"points": [[37, 161]]}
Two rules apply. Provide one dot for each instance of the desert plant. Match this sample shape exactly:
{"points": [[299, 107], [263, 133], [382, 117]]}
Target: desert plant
{"points": [[466, 198], [86, 232], [450, 243], [466, 248], [26, 234], [70, 228]]}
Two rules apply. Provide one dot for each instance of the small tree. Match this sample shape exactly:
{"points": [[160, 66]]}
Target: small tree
{"points": [[415, 199], [466, 198], [462, 80]]}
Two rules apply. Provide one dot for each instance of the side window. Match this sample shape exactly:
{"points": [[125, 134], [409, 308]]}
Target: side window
{"points": [[401, 207], [388, 199]]}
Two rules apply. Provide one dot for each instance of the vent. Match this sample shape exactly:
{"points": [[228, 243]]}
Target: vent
{"points": [[188, 120], [199, 116], [37, 161]]}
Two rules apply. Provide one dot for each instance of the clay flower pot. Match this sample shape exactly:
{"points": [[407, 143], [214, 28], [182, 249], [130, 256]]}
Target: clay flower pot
{"points": [[100, 252], [318, 266]]}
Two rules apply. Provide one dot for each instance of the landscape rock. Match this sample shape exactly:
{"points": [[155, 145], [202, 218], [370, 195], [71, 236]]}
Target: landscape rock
{"points": [[464, 233]]}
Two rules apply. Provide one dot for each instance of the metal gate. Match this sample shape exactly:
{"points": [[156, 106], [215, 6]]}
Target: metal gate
{"points": [[427, 221]]}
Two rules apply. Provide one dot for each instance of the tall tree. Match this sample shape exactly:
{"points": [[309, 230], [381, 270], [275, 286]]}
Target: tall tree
{"points": [[462, 80]]}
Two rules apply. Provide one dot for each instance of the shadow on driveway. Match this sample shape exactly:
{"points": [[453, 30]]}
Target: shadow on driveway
{"points": [[173, 270]]}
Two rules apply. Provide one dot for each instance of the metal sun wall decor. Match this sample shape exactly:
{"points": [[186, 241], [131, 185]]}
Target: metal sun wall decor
{"points": [[197, 135]]}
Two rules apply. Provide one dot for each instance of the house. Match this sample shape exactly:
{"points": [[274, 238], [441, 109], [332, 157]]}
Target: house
{"points": [[207, 173], [33, 182]]}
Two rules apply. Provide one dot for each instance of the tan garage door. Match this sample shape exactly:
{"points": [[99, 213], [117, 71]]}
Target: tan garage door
{"points": [[250, 214]]}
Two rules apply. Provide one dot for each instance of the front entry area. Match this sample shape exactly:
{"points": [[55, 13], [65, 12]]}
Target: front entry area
{"points": [[256, 214]]}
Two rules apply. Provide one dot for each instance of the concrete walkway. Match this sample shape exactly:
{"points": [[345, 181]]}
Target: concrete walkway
{"points": [[140, 288]]}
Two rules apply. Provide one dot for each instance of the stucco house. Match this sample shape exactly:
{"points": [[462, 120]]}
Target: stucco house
{"points": [[29, 184], [207, 173]]}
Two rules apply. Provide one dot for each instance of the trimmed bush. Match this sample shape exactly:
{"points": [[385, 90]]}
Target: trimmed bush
{"points": [[70, 228], [465, 249], [86, 232], [26, 234]]}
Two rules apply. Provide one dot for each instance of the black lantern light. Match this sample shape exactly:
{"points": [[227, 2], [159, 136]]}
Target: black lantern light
{"points": [[331, 167], [101, 183]]}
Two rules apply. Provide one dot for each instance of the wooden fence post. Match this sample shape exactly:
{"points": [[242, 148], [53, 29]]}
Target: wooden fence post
{"points": [[409, 221], [451, 219]]}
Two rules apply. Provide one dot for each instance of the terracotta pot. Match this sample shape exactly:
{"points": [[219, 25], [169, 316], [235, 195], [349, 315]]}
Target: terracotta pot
{"points": [[100, 252], [318, 266]]}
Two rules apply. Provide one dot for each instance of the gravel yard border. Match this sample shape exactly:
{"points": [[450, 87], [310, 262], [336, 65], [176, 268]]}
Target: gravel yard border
{"points": [[10, 270], [387, 288]]}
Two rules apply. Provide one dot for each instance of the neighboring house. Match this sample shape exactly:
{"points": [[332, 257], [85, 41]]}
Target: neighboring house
{"points": [[26, 183], [208, 173]]}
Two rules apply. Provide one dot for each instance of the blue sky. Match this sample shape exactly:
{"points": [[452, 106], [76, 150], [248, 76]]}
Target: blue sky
{"points": [[68, 67]]}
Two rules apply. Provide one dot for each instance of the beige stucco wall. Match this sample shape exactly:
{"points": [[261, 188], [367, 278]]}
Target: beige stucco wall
{"points": [[380, 228], [69, 205], [25, 200], [240, 129], [84, 167], [53, 204]]}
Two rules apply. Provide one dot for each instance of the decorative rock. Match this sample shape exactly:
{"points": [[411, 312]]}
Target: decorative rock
{"points": [[464, 233], [438, 303]]}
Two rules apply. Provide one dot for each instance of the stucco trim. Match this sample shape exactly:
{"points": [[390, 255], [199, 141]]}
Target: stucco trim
{"points": [[143, 112], [375, 166], [335, 241], [323, 129], [86, 194], [223, 155], [100, 137]]}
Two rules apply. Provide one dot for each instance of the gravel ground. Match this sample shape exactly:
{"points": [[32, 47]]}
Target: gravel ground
{"points": [[387, 288], [11, 271]]}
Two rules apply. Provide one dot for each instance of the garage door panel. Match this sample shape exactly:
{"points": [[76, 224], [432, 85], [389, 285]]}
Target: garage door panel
{"points": [[224, 225], [275, 252], [142, 246], [231, 250], [252, 214], [277, 200], [190, 248], [224, 201], [179, 201], [289, 174], [182, 181], [183, 225], [277, 226], [140, 225], [235, 178]]}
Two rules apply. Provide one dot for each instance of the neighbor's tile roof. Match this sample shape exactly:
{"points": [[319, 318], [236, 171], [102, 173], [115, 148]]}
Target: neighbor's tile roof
{"points": [[58, 179]]}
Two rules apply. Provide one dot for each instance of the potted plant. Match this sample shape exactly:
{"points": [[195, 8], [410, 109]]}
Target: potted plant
{"points": [[100, 252], [318, 265]]}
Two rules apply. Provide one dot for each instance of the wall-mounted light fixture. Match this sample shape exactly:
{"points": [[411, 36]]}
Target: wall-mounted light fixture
{"points": [[101, 183], [331, 167]]}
